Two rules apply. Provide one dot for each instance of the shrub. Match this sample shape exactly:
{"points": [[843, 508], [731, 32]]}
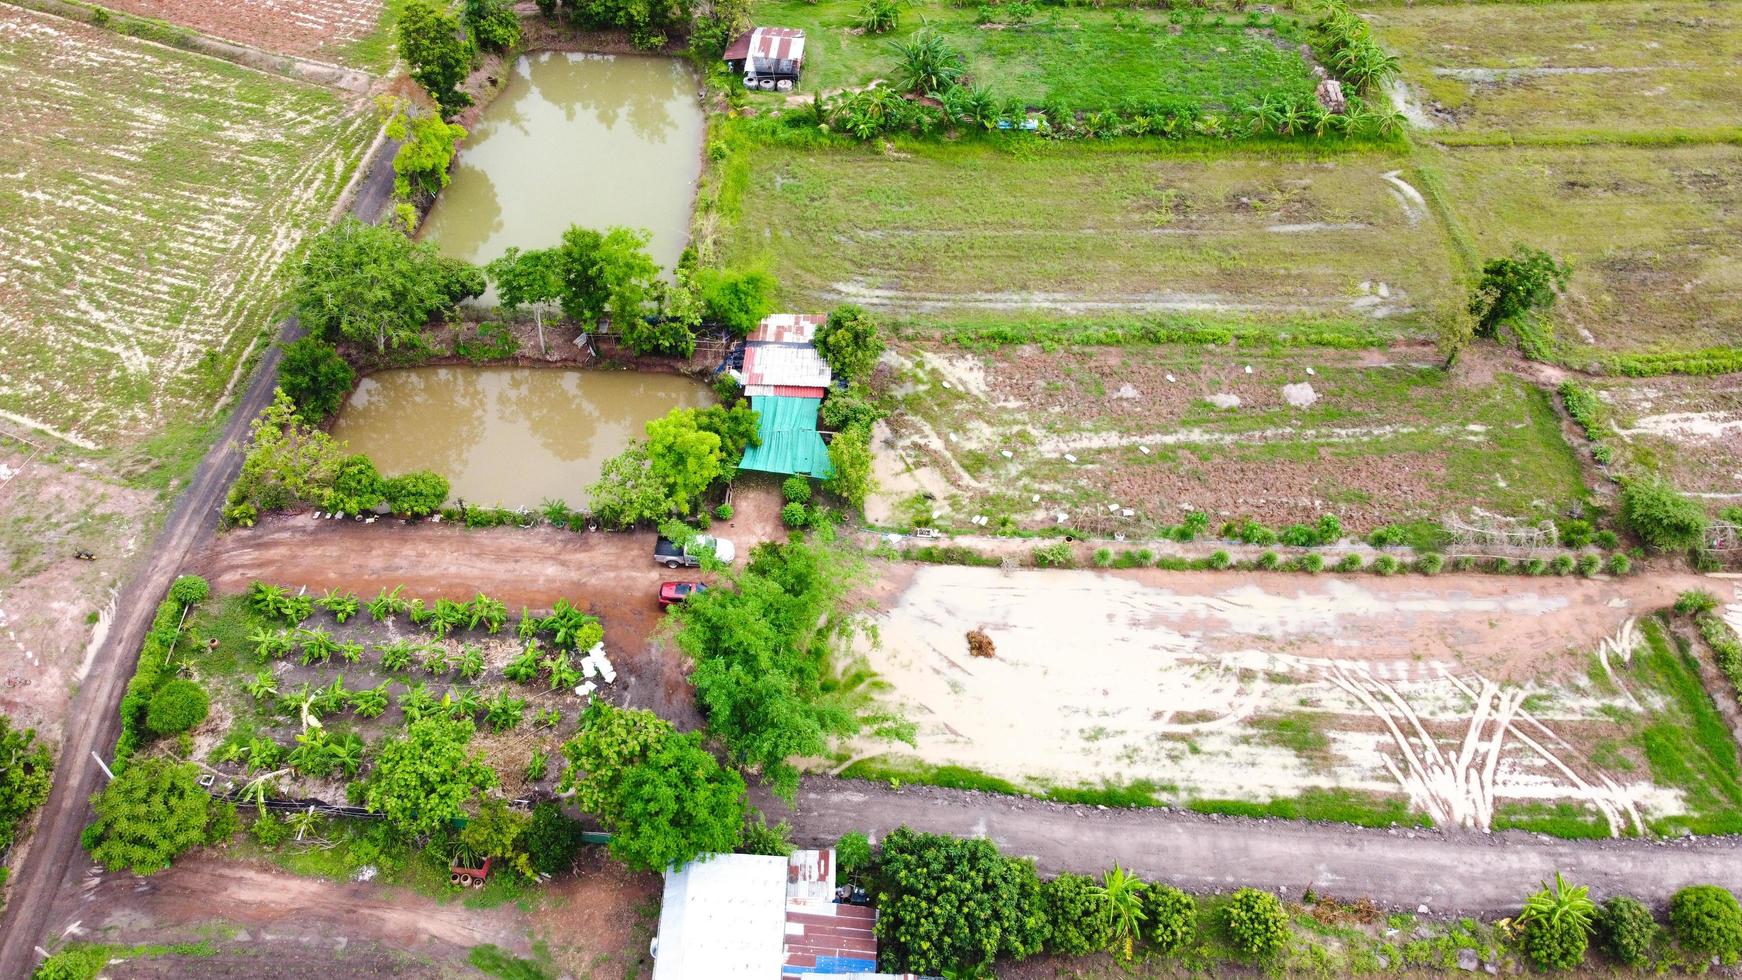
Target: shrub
{"points": [[1562, 565], [723, 512], [1385, 565], [1535, 566], [1515, 285], [1388, 536], [1270, 561], [1257, 923], [852, 853], [796, 489], [1310, 563], [1620, 564], [1627, 929], [1059, 554], [313, 374], [947, 904], [879, 16], [794, 515], [851, 342], [1103, 557], [416, 494], [1430, 564], [1607, 540], [1349, 563], [1589, 565], [1219, 560], [759, 838], [189, 590], [1574, 534], [176, 707], [1077, 910], [1663, 518], [1695, 601], [151, 812], [1555, 924], [1173, 918], [1707, 921], [737, 300]]}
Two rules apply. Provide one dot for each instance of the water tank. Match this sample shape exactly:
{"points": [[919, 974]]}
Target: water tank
{"points": [[749, 81]]}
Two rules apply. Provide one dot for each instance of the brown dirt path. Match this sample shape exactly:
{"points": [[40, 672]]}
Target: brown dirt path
{"points": [[1450, 872]]}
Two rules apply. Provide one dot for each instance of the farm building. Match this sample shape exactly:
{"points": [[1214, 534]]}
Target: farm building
{"points": [[786, 379], [747, 916], [769, 58]]}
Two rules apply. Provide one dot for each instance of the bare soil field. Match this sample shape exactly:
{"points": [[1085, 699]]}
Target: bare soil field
{"points": [[1654, 236], [152, 197], [1085, 229], [1593, 68], [1688, 429], [1478, 701], [329, 30], [1023, 434]]}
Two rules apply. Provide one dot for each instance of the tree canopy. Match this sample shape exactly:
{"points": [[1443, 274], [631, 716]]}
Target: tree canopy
{"points": [[313, 374], [665, 799], [1514, 285], [737, 300], [648, 22], [426, 148], [1663, 518], [684, 457], [946, 904], [438, 51], [427, 776], [151, 812], [850, 342], [369, 284], [26, 768], [764, 645]]}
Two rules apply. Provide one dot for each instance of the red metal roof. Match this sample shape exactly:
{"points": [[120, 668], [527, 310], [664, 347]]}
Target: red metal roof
{"points": [[788, 328], [784, 391], [768, 44]]}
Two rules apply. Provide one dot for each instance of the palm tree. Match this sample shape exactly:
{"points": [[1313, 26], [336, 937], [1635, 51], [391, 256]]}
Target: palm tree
{"points": [[1122, 903], [927, 63]]}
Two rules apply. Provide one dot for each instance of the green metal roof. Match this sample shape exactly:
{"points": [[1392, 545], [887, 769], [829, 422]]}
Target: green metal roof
{"points": [[790, 443]]}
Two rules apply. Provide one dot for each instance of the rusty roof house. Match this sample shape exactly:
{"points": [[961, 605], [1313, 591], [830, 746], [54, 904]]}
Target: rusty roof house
{"points": [[769, 58]]}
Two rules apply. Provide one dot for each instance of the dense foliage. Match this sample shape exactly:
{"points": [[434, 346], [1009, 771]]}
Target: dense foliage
{"points": [[851, 342], [152, 811], [764, 642], [649, 22], [371, 285], [664, 798], [737, 300], [427, 776], [492, 23], [26, 768], [1555, 924], [946, 904], [1707, 920], [1514, 286], [440, 54], [315, 377], [152, 669], [551, 839], [1173, 918], [177, 706], [1077, 911], [426, 149], [1344, 42], [1256, 922], [1663, 518], [1627, 928]]}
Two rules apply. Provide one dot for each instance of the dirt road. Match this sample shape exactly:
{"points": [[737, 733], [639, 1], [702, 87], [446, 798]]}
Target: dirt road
{"points": [[1449, 872], [94, 726]]}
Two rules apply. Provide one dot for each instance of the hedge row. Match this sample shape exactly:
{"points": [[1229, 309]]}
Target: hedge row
{"points": [[153, 669]]}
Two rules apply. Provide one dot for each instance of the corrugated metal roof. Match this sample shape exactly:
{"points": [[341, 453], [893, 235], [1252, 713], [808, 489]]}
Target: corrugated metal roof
{"points": [[724, 918], [786, 391], [790, 443], [785, 364], [788, 328], [768, 43]]}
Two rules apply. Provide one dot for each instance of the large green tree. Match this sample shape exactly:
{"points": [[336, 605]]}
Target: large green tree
{"points": [[764, 643], [440, 54], [26, 768], [945, 904], [526, 279], [738, 300], [850, 342], [648, 22], [428, 776], [1515, 285], [151, 812], [492, 23], [288, 460], [313, 374], [664, 797], [628, 491], [623, 267], [371, 285], [426, 148], [684, 457]]}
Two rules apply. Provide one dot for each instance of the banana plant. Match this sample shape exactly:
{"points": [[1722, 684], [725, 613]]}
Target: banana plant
{"points": [[343, 605], [398, 655], [261, 686], [387, 604], [416, 702], [529, 625], [562, 674], [505, 711], [370, 702], [486, 612], [332, 699], [302, 702], [318, 646], [524, 668], [471, 663], [435, 659], [271, 644], [537, 766]]}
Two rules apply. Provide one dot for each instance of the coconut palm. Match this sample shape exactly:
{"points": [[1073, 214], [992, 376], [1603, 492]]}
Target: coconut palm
{"points": [[1121, 894], [927, 64]]}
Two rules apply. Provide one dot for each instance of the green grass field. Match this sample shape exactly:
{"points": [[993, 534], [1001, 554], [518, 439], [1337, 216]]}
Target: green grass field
{"points": [[1082, 57], [1654, 236], [1019, 227], [1602, 70], [152, 199]]}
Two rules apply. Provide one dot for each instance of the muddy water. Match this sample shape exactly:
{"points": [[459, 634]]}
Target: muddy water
{"points": [[593, 140], [503, 435]]}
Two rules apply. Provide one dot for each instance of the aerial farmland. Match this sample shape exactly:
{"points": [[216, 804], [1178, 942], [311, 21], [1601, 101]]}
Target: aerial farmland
{"points": [[775, 488]]}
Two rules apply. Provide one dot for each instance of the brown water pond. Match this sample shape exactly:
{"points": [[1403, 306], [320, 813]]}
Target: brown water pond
{"points": [[507, 436]]}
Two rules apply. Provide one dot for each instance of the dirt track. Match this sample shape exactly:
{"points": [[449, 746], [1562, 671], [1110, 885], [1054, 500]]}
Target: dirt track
{"points": [[1449, 872]]}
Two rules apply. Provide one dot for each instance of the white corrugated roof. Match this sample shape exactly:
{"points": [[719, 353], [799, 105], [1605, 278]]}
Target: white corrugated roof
{"points": [[724, 917]]}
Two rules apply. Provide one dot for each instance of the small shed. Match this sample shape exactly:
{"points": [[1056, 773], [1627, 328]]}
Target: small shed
{"points": [[768, 57], [790, 442]]}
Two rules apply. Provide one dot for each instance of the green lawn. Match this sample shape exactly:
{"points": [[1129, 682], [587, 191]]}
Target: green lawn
{"points": [[1081, 57], [1654, 236], [1023, 227], [1558, 69], [152, 198]]}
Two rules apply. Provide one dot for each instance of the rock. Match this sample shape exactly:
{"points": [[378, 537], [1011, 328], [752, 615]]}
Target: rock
{"points": [[1225, 400], [1468, 961], [1421, 909], [1491, 968], [1299, 395], [1126, 391], [1383, 961]]}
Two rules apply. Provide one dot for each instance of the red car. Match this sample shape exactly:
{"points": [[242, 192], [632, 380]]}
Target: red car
{"points": [[672, 593]]}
